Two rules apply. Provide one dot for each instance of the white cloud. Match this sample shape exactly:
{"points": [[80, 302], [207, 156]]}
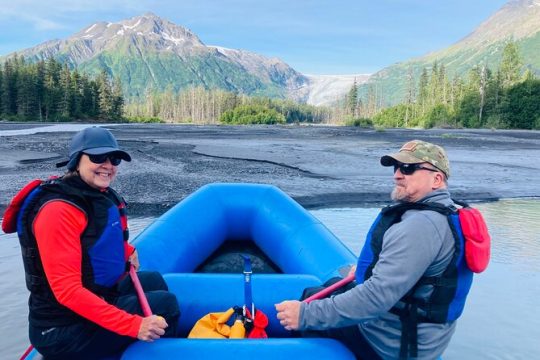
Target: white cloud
{"points": [[52, 15], [37, 22], [44, 24]]}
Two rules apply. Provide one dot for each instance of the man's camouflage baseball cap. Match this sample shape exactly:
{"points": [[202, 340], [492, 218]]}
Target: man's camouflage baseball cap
{"points": [[418, 151]]}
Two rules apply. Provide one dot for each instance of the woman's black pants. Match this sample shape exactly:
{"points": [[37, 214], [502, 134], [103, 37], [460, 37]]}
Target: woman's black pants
{"points": [[86, 340]]}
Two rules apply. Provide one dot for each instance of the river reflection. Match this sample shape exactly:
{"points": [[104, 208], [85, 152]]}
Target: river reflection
{"points": [[500, 321]]}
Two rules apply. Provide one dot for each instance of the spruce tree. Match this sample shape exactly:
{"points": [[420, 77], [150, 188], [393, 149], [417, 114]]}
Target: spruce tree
{"points": [[434, 85], [40, 88], [511, 64], [1, 92], [77, 94], [65, 93], [352, 100], [105, 104], [423, 90], [52, 93], [117, 109], [9, 98]]}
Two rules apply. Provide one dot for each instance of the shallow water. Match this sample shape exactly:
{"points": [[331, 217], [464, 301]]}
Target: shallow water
{"points": [[37, 128], [500, 321]]}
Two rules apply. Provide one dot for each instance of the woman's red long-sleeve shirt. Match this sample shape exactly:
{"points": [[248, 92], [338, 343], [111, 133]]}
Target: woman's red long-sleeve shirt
{"points": [[57, 228]]}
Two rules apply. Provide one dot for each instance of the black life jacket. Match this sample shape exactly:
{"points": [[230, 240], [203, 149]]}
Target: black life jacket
{"points": [[102, 245], [450, 289]]}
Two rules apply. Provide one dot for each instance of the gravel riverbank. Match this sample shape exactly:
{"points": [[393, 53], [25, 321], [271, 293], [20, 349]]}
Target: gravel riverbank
{"points": [[319, 166]]}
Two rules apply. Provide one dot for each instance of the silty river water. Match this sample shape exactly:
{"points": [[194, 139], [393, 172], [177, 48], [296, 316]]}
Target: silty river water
{"points": [[500, 321]]}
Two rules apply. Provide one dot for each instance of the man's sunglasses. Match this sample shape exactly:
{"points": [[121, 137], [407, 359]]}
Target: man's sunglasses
{"points": [[101, 158], [409, 169]]}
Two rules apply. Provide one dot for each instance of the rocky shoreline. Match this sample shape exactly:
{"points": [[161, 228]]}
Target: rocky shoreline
{"points": [[319, 166]]}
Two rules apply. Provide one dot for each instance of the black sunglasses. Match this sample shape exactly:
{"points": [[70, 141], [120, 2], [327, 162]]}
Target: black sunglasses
{"points": [[101, 158], [409, 169]]}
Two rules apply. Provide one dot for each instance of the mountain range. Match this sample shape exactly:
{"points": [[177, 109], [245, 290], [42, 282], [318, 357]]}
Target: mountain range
{"points": [[151, 53], [518, 20]]}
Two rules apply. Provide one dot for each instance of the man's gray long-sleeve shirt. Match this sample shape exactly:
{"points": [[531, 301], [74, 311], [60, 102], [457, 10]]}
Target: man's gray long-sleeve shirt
{"points": [[421, 244]]}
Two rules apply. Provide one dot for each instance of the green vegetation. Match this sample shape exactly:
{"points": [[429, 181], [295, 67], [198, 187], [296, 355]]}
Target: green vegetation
{"points": [[506, 97], [252, 114], [50, 91], [167, 71], [359, 122], [142, 119], [201, 106], [393, 83]]}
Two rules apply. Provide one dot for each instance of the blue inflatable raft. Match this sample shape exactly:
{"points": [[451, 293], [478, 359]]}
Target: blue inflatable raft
{"points": [[196, 245], [302, 252]]}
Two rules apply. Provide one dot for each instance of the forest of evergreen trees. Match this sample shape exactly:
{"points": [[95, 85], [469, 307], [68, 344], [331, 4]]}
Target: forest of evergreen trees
{"points": [[50, 91], [504, 98]]}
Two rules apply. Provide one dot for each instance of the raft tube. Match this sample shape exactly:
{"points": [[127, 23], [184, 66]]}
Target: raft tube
{"points": [[305, 252]]}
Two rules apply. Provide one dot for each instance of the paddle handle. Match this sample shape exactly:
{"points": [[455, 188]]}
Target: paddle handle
{"points": [[326, 291], [140, 293]]}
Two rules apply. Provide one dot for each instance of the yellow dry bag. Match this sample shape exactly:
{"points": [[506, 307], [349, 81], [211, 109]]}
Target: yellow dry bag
{"points": [[214, 326]]}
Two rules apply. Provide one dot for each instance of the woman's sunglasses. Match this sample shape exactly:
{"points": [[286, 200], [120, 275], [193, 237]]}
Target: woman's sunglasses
{"points": [[101, 158], [409, 169]]}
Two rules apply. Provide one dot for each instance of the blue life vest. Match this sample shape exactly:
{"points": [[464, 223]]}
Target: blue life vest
{"points": [[450, 289], [102, 245]]}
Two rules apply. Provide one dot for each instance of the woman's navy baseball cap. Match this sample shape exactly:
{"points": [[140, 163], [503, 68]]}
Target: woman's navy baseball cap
{"points": [[94, 141]]}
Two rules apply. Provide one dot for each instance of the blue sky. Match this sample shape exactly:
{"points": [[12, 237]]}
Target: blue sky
{"points": [[314, 37]]}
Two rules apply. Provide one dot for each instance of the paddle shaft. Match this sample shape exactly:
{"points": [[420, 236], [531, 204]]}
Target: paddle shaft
{"points": [[28, 351], [326, 291], [140, 293]]}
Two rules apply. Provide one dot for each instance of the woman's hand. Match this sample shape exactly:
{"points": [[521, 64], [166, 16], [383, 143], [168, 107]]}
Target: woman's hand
{"points": [[134, 260], [152, 328]]}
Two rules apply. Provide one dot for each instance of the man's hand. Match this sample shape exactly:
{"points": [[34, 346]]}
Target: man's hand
{"points": [[152, 328], [134, 260], [288, 313]]}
